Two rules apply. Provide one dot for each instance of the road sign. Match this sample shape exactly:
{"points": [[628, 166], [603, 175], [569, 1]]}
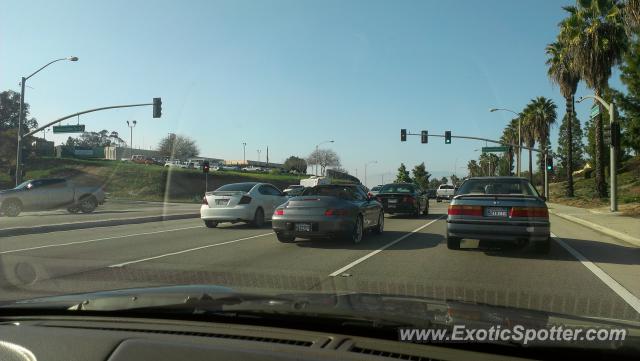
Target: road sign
{"points": [[79, 128], [595, 111], [495, 149]]}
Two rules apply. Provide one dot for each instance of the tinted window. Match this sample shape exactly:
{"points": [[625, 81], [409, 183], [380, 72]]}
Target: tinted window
{"points": [[446, 186], [269, 190], [497, 186], [236, 187], [398, 188], [348, 193]]}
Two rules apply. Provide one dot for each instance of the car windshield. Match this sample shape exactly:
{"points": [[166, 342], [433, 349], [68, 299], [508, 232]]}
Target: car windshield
{"points": [[236, 187], [397, 188], [498, 186], [457, 153]]}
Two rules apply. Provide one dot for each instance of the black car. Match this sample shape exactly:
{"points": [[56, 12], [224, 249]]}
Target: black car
{"points": [[405, 198], [328, 211]]}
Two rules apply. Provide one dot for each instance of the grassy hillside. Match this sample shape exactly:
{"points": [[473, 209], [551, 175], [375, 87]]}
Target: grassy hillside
{"points": [[143, 182], [628, 190]]}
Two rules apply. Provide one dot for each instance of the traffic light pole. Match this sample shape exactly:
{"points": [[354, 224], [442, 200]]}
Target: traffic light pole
{"points": [[20, 138]]}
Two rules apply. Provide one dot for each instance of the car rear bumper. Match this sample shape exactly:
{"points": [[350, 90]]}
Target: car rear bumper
{"points": [[233, 214], [319, 228], [523, 231]]}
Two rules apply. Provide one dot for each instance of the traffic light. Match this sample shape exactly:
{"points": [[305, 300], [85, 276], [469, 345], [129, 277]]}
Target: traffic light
{"points": [[615, 134], [549, 163], [403, 135], [606, 134], [424, 135], [205, 167], [157, 107], [447, 137]]}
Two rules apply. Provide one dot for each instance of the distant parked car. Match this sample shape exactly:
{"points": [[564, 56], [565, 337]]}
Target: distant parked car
{"points": [[50, 193], [241, 202], [141, 159]]}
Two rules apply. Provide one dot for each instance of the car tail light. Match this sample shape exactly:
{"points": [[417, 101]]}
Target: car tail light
{"points": [[245, 200], [279, 212], [461, 210], [529, 212], [204, 200], [336, 212]]}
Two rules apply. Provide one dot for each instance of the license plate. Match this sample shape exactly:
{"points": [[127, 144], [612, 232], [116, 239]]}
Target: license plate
{"points": [[393, 200], [222, 202], [495, 212], [303, 227]]}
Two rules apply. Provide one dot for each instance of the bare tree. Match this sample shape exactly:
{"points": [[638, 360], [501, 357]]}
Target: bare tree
{"points": [[324, 158], [178, 147]]}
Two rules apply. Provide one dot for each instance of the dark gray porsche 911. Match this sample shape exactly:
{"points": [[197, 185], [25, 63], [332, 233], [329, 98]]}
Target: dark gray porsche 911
{"points": [[328, 211]]}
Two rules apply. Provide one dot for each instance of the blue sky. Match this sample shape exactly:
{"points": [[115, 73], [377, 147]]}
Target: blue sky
{"points": [[290, 74]]}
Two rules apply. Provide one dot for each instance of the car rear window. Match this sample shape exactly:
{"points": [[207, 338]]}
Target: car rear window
{"points": [[236, 187], [445, 186], [397, 188], [347, 193], [498, 186], [376, 188]]}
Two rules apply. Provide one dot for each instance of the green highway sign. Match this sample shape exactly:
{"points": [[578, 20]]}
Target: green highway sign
{"points": [[68, 128], [494, 149], [595, 111]]}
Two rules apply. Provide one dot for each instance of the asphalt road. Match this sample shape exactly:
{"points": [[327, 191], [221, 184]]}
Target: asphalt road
{"points": [[586, 273]]}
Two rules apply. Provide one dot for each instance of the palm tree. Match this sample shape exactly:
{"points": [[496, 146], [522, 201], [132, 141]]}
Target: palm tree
{"points": [[632, 16], [594, 36], [564, 75], [510, 136], [542, 115]]}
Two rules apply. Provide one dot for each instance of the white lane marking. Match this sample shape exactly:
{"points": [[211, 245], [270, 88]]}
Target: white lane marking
{"points": [[187, 250], [361, 259], [627, 296], [97, 239]]}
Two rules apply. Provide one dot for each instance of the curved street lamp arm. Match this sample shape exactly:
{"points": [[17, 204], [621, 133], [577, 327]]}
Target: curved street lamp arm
{"points": [[595, 97], [46, 65]]}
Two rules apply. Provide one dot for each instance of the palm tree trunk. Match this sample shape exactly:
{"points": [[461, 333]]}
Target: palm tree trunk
{"points": [[601, 187], [569, 166], [530, 165]]}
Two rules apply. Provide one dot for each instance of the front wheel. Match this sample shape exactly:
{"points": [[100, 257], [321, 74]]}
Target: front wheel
{"points": [[73, 210], [438, 200], [88, 204]]}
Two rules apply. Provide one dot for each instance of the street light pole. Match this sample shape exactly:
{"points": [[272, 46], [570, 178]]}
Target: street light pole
{"points": [[612, 151], [258, 150], [519, 157], [131, 126], [23, 81], [244, 152]]}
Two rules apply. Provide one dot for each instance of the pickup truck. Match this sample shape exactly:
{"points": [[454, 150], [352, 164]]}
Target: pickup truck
{"points": [[47, 194], [444, 191]]}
